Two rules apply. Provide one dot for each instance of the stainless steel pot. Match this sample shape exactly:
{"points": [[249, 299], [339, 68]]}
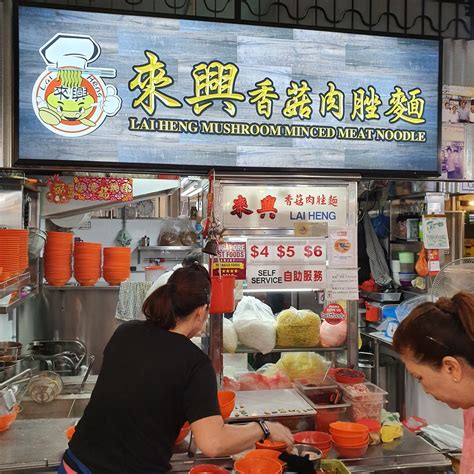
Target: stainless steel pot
{"points": [[367, 364], [10, 351], [315, 454]]}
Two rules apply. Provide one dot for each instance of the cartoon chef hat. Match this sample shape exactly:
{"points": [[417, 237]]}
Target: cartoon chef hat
{"points": [[70, 51]]}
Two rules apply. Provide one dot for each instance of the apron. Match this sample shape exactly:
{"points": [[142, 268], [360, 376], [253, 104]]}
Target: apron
{"points": [[467, 459], [72, 465]]}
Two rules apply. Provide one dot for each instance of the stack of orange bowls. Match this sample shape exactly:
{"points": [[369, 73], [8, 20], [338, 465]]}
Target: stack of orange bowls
{"points": [[87, 262], [57, 258], [351, 440], [11, 261], [116, 264], [318, 439]]}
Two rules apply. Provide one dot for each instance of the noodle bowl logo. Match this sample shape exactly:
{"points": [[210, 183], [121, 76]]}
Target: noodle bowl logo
{"points": [[70, 98]]}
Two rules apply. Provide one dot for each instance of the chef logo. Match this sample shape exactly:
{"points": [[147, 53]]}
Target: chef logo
{"points": [[69, 97]]}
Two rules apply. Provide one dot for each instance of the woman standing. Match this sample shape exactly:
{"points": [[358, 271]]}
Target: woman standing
{"points": [[436, 343], [152, 381]]}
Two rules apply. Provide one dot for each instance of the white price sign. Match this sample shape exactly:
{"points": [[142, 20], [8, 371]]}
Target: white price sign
{"points": [[286, 251], [286, 277]]}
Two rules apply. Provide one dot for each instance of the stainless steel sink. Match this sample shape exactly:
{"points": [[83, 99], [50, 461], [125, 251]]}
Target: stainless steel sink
{"points": [[63, 406]]}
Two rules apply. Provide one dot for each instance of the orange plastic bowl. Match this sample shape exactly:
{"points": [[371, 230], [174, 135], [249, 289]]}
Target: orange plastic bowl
{"points": [[208, 469], [265, 454], [318, 439], [226, 402], [346, 428], [355, 442], [351, 452], [268, 444], [70, 432], [186, 428], [257, 466], [7, 420]]}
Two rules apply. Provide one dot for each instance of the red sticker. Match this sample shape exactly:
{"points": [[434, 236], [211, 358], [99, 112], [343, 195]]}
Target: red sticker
{"points": [[333, 314]]}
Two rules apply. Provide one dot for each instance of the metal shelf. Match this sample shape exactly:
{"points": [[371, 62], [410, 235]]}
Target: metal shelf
{"points": [[14, 284], [164, 248], [5, 309], [247, 350]]}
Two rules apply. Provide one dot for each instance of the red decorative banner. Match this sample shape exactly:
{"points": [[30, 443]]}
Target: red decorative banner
{"points": [[103, 189]]}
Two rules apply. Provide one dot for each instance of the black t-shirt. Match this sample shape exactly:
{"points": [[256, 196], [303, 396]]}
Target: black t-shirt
{"points": [[152, 381]]}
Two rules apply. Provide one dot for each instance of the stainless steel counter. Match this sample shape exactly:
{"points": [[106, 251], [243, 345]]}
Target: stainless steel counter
{"points": [[34, 446], [407, 454]]}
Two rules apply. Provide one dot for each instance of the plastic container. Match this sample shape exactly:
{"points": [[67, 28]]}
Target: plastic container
{"points": [[351, 440], [7, 420], [349, 453], [226, 403], [318, 439], [350, 376], [268, 444], [334, 466], [327, 414], [406, 257], [222, 294], [319, 393], [367, 404], [208, 469], [265, 454], [374, 430], [153, 272], [257, 466]]}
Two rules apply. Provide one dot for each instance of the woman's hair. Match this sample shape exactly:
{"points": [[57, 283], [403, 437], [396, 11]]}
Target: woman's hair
{"points": [[188, 288], [433, 331]]}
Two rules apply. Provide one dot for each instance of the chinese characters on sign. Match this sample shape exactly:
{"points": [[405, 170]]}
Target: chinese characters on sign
{"points": [[284, 276], [286, 263], [281, 206], [216, 81]]}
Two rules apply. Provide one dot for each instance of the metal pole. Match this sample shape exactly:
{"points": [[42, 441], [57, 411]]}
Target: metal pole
{"points": [[7, 89], [216, 340]]}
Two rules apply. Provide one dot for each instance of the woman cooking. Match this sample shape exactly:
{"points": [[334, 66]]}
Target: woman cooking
{"points": [[152, 381], [436, 343]]}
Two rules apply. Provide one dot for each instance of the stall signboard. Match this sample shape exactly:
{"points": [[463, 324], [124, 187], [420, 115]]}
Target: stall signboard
{"points": [[231, 260], [286, 250], [282, 206], [286, 276], [102, 88], [284, 263]]}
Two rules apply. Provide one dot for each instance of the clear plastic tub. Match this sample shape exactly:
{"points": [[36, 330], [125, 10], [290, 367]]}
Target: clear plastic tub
{"points": [[366, 403], [319, 393], [327, 414]]}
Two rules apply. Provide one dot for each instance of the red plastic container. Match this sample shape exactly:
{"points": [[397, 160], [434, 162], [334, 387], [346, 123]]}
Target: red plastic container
{"points": [[350, 376], [222, 294]]}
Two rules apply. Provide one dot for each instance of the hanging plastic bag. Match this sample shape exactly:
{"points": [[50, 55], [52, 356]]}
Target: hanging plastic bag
{"points": [[187, 233], [230, 339], [301, 365], [333, 335], [298, 328], [277, 378], [421, 266], [381, 225], [255, 324], [169, 232]]}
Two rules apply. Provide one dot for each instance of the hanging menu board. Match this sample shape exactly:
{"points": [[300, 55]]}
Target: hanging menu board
{"points": [[126, 90]]}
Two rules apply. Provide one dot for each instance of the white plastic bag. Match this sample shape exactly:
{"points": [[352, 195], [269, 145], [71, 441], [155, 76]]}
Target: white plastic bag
{"points": [[230, 336], [333, 335], [255, 324]]}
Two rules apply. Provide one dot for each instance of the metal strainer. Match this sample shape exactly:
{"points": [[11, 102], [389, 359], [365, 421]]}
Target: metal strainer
{"points": [[45, 386]]}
